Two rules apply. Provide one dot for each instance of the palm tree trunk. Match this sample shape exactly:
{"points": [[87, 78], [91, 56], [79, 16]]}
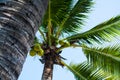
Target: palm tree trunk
{"points": [[19, 21], [48, 68]]}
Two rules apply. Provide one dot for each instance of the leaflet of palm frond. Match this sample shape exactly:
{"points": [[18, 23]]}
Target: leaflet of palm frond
{"points": [[104, 32], [58, 11], [86, 71], [66, 17], [75, 18], [108, 58]]}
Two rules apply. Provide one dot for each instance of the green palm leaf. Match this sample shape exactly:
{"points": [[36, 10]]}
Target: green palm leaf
{"points": [[103, 32], [85, 71], [108, 58], [64, 16], [74, 19], [57, 11]]}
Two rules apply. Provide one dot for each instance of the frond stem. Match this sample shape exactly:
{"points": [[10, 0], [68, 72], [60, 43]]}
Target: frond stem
{"points": [[49, 25], [42, 34]]}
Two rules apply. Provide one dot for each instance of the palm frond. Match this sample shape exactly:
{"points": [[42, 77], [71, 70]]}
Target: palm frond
{"points": [[57, 11], [105, 31], [107, 57], [74, 19], [66, 17], [85, 71]]}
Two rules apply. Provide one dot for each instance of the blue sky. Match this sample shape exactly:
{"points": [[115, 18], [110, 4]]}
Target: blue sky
{"points": [[101, 11]]}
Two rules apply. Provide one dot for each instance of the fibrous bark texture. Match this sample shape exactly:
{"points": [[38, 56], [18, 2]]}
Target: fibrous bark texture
{"points": [[48, 67], [19, 21]]}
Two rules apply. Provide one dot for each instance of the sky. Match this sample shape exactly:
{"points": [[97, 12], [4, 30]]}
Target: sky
{"points": [[101, 11]]}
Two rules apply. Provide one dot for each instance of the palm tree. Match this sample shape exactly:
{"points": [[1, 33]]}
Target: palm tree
{"points": [[61, 29], [19, 21]]}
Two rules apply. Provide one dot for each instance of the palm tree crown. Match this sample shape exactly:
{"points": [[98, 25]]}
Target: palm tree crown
{"points": [[60, 29]]}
